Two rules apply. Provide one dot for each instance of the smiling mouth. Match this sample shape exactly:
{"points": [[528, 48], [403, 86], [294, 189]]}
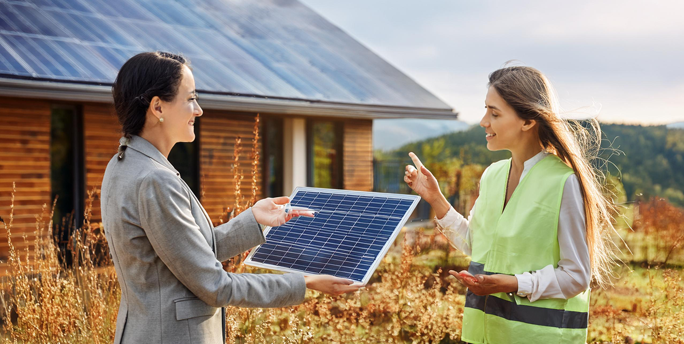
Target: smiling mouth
{"points": [[490, 135], [191, 122]]}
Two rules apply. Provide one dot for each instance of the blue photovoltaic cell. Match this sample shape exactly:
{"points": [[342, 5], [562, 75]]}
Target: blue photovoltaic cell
{"points": [[8, 62], [344, 239]]}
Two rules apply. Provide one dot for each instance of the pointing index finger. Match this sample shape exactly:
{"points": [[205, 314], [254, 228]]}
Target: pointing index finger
{"points": [[416, 161]]}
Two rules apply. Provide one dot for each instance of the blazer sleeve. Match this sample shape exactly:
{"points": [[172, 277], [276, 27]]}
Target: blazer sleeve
{"points": [[238, 235], [166, 216]]}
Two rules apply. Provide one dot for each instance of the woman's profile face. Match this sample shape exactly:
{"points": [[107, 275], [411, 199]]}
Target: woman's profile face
{"points": [[501, 122], [179, 115]]}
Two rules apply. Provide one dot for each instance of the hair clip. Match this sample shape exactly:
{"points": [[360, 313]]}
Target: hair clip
{"points": [[122, 149], [123, 144], [141, 98]]}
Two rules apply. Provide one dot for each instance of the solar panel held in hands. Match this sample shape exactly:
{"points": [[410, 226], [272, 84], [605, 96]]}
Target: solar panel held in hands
{"points": [[349, 235]]}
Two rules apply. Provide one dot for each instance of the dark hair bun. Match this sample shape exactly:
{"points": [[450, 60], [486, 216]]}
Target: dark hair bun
{"points": [[140, 79]]}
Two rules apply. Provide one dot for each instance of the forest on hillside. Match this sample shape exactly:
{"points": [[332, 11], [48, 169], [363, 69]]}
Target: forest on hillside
{"points": [[648, 160]]}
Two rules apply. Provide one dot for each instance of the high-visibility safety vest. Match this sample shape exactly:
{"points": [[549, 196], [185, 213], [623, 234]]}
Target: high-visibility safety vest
{"points": [[522, 237]]}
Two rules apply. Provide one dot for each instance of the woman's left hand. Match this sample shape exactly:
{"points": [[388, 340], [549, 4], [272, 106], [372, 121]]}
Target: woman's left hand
{"points": [[487, 284], [271, 211]]}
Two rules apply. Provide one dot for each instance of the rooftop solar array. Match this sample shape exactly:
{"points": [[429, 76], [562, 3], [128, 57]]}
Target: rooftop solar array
{"points": [[273, 48], [347, 238]]}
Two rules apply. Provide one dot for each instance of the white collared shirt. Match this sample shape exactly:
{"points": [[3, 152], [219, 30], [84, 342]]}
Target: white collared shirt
{"points": [[573, 274]]}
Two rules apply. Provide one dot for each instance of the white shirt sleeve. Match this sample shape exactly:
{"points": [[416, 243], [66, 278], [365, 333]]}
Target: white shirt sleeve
{"points": [[455, 227], [573, 274]]}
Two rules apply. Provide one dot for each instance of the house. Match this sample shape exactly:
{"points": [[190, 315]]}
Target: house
{"points": [[317, 91]]}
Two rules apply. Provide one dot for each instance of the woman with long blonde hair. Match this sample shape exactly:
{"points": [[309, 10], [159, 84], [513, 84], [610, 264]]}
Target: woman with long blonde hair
{"points": [[539, 231]]}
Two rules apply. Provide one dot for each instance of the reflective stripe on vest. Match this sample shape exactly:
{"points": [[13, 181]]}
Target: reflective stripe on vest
{"points": [[531, 315], [517, 238]]}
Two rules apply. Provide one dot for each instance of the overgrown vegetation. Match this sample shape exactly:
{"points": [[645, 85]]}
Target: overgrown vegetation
{"points": [[46, 301], [410, 298]]}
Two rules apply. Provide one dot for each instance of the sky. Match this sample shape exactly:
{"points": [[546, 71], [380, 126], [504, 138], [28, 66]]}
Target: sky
{"points": [[618, 61]]}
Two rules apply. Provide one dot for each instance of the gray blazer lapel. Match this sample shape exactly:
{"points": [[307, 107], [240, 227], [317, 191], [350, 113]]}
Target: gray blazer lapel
{"points": [[210, 225]]}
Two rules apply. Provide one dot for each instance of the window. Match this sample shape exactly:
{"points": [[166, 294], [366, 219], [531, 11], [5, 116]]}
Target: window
{"points": [[66, 170], [325, 154], [272, 159], [185, 158]]}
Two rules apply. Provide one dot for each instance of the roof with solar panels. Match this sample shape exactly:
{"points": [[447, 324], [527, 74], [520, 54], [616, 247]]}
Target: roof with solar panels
{"points": [[268, 56]]}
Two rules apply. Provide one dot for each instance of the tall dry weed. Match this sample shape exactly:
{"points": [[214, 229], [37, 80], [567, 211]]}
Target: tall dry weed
{"points": [[666, 308], [254, 156], [404, 303], [46, 301]]}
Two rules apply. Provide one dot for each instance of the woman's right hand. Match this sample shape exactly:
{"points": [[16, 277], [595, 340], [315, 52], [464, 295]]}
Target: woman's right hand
{"points": [[331, 285], [420, 180]]}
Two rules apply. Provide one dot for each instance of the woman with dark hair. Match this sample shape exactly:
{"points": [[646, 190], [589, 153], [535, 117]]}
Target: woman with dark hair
{"points": [[540, 227], [166, 252]]}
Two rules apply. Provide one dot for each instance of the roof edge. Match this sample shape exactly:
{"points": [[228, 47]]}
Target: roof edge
{"points": [[24, 88]]}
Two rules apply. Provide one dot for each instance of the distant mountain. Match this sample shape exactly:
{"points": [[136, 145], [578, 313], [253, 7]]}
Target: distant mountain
{"points": [[650, 163], [676, 125], [390, 134]]}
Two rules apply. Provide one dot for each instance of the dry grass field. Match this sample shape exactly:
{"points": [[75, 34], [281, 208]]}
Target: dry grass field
{"points": [[410, 299]]}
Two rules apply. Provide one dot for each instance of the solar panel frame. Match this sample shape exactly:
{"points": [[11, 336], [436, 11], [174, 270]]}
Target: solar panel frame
{"points": [[378, 256]]}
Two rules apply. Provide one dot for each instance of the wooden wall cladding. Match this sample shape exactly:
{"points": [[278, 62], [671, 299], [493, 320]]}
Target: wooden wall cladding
{"points": [[24, 159], [101, 133], [218, 131], [358, 155]]}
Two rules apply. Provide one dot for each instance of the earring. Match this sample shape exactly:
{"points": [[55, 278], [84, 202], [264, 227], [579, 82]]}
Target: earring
{"points": [[161, 119]]}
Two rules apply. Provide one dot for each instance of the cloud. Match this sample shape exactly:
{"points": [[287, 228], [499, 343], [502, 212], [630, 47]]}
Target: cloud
{"points": [[624, 55]]}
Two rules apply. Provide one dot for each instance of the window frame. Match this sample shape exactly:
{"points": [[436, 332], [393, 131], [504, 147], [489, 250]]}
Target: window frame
{"points": [[338, 126], [279, 152], [79, 168]]}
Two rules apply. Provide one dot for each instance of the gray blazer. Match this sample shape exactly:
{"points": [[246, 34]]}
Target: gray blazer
{"points": [[168, 255]]}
